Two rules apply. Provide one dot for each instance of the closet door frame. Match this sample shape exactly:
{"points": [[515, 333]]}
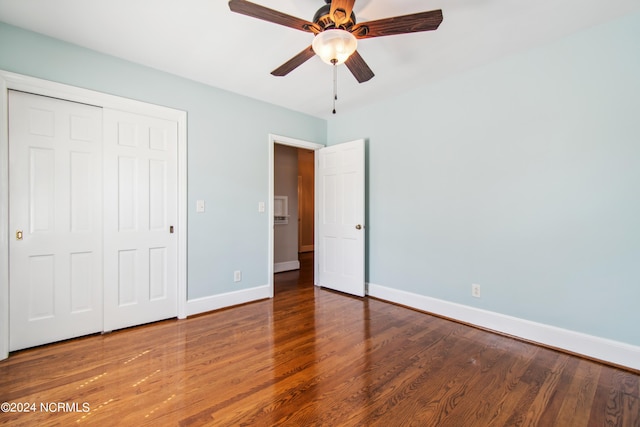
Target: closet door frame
{"points": [[37, 86]]}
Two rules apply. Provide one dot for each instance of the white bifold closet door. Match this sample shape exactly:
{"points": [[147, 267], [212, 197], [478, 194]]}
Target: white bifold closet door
{"points": [[93, 205], [55, 211]]}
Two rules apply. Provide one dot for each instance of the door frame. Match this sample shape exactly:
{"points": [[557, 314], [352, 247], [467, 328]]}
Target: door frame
{"points": [[292, 142], [38, 86]]}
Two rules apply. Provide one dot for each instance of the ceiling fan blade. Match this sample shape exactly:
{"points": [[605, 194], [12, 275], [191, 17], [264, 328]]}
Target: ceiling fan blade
{"points": [[341, 11], [359, 68], [423, 21], [256, 11], [294, 62]]}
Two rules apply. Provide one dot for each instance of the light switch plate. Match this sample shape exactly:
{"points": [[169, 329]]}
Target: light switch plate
{"points": [[261, 207], [199, 205]]}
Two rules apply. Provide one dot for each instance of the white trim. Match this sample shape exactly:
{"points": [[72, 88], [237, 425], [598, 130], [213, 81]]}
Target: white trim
{"points": [[284, 140], [279, 267], [216, 302], [86, 96], [182, 214], [34, 85], [603, 349], [4, 221]]}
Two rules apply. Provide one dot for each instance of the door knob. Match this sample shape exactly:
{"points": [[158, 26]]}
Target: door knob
{"points": [[358, 227], [19, 235]]}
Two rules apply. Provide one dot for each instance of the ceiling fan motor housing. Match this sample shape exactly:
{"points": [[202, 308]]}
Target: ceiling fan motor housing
{"points": [[323, 19]]}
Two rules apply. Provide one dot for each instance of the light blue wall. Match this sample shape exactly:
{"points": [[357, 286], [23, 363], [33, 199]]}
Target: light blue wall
{"points": [[522, 176], [227, 151]]}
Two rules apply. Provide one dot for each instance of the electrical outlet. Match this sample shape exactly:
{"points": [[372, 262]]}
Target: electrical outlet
{"points": [[475, 290], [237, 276]]}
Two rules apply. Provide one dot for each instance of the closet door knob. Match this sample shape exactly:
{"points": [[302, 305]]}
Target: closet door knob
{"points": [[358, 227]]}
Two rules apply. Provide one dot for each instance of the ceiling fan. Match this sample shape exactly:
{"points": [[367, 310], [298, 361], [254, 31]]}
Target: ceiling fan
{"points": [[336, 32]]}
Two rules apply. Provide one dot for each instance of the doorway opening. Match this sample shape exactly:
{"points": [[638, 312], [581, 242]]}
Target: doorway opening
{"points": [[294, 183], [292, 233]]}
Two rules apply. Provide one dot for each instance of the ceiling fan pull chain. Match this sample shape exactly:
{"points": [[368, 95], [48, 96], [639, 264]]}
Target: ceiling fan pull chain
{"points": [[335, 84]]}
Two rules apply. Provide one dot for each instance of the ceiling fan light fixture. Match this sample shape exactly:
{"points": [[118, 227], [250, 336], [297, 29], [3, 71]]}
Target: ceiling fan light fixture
{"points": [[334, 46]]}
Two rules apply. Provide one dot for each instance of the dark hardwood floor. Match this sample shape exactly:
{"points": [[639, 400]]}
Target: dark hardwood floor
{"points": [[312, 357]]}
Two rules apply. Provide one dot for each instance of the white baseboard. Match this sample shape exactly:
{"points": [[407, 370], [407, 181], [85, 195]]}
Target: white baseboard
{"points": [[279, 267], [215, 302], [603, 349]]}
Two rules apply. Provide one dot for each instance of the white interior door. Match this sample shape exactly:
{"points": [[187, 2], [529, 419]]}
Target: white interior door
{"points": [[341, 237], [140, 219], [55, 211]]}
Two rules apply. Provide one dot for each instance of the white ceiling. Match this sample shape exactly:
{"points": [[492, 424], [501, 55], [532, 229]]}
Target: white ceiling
{"points": [[204, 41]]}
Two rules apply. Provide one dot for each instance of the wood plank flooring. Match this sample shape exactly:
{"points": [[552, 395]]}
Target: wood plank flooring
{"points": [[312, 357]]}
